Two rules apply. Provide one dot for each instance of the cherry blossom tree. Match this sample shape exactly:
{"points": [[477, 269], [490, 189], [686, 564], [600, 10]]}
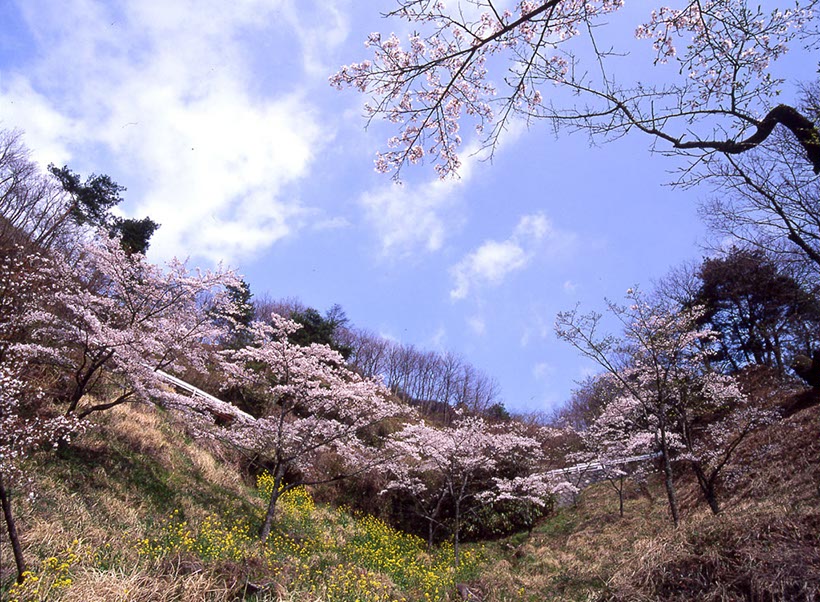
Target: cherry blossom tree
{"points": [[463, 467], [25, 427], [709, 445], [619, 433], [669, 390], [483, 64], [112, 319], [26, 424], [408, 473], [23, 283], [89, 331], [320, 419], [658, 363]]}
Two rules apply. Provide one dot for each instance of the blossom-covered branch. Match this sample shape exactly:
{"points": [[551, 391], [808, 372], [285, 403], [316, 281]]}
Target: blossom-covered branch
{"points": [[112, 318], [719, 100]]}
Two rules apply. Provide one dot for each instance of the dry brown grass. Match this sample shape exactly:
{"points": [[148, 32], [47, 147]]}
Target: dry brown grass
{"points": [[764, 546], [572, 554], [756, 551], [139, 586], [105, 493], [108, 490]]}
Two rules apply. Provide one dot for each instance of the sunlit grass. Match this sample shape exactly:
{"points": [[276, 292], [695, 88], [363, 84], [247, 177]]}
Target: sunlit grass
{"points": [[332, 555], [118, 519], [49, 579]]}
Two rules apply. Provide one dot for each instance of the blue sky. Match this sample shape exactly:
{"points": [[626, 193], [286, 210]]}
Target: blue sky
{"points": [[219, 120]]}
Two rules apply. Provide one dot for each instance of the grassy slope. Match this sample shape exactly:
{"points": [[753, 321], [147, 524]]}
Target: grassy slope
{"points": [[109, 508], [134, 510], [109, 490], [765, 544]]}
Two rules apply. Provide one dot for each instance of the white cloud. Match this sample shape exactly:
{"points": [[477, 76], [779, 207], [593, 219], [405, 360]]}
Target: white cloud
{"points": [[439, 338], [165, 92], [490, 263], [218, 176], [570, 287], [538, 326], [388, 335], [410, 217], [330, 223], [542, 370], [320, 29], [477, 324], [494, 260], [47, 132], [407, 219]]}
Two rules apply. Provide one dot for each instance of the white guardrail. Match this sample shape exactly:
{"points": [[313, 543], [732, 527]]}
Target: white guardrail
{"points": [[217, 404], [593, 466]]}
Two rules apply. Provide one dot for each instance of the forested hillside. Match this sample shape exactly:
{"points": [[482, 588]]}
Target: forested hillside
{"points": [[169, 433], [118, 485]]}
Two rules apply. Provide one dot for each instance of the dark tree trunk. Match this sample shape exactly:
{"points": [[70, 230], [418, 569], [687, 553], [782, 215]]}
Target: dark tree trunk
{"points": [[617, 483], [456, 529], [668, 481], [267, 525], [19, 561], [707, 487]]}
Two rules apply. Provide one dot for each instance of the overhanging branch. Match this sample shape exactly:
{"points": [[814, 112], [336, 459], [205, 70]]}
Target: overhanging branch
{"points": [[803, 129]]}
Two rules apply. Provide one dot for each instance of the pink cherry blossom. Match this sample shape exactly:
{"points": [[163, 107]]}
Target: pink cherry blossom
{"points": [[468, 63]]}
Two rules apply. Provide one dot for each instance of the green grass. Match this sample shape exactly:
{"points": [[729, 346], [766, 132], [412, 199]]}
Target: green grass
{"points": [[135, 511]]}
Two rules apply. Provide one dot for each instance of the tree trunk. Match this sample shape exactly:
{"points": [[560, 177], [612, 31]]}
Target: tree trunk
{"points": [[432, 521], [778, 355], [668, 482], [707, 487], [618, 485], [456, 529], [274, 497], [19, 561]]}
